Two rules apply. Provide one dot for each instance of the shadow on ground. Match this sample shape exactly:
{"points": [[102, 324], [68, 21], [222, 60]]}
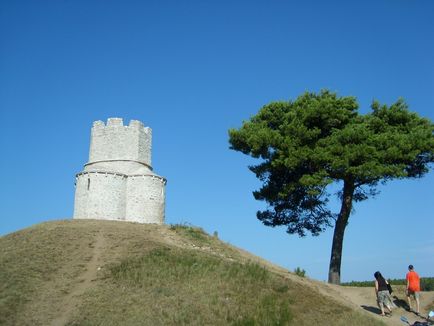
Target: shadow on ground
{"points": [[372, 309], [400, 303]]}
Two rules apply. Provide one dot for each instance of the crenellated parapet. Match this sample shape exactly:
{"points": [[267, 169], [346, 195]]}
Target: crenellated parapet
{"points": [[118, 182], [114, 141]]}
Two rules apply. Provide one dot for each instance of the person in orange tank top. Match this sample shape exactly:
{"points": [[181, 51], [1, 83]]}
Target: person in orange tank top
{"points": [[413, 287]]}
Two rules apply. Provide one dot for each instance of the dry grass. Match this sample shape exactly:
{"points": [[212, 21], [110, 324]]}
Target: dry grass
{"points": [[149, 275]]}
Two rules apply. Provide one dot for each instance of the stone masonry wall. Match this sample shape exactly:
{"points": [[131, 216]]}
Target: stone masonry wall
{"points": [[115, 141], [145, 200]]}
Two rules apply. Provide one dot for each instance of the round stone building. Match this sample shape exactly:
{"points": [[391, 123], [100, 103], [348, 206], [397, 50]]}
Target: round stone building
{"points": [[118, 182]]}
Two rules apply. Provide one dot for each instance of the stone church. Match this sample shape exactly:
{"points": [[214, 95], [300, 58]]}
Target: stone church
{"points": [[118, 182]]}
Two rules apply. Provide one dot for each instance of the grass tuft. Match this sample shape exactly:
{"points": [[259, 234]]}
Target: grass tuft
{"points": [[195, 234]]}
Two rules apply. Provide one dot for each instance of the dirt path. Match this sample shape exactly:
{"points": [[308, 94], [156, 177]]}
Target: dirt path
{"points": [[364, 299], [84, 282]]}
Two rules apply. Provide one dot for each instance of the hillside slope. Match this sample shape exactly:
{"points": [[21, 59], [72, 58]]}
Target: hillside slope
{"points": [[79, 272]]}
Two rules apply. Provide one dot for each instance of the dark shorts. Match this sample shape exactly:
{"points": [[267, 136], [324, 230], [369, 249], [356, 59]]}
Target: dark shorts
{"points": [[414, 294]]}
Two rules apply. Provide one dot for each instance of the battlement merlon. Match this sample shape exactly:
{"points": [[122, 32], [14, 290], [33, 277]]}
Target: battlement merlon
{"points": [[114, 141], [118, 122]]}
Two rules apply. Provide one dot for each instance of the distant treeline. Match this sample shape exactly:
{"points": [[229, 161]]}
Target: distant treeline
{"points": [[426, 283]]}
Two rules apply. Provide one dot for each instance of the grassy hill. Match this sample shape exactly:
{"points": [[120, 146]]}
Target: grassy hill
{"points": [[112, 273]]}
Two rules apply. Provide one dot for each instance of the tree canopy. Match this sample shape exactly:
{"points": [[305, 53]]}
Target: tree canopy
{"points": [[321, 139]]}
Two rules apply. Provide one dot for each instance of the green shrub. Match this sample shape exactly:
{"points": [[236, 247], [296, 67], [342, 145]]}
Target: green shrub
{"points": [[427, 283], [300, 272]]}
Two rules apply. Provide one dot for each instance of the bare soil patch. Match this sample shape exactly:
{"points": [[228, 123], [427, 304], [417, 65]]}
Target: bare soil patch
{"points": [[84, 282]]}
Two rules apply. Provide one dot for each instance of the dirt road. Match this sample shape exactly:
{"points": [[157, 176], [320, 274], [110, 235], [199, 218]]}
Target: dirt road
{"points": [[365, 300]]}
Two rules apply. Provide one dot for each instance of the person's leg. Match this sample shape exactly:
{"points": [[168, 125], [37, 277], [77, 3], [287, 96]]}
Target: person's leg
{"points": [[416, 298], [409, 299], [381, 302], [389, 308], [390, 302], [388, 305], [382, 308]]}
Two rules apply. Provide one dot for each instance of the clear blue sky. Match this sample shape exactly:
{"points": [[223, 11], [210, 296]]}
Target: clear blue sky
{"points": [[191, 70]]}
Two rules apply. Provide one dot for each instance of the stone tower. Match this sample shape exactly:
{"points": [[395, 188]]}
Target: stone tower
{"points": [[118, 183]]}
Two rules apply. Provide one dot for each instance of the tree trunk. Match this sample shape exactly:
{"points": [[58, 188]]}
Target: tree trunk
{"points": [[338, 235]]}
